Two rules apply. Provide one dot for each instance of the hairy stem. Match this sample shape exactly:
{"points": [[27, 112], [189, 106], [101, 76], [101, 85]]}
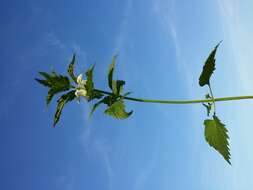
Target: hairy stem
{"points": [[223, 99]]}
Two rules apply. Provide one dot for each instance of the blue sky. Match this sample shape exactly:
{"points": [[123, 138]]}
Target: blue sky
{"points": [[162, 46]]}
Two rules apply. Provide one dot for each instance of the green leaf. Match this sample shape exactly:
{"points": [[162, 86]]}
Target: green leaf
{"points": [[117, 110], [89, 83], [110, 72], [56, 83], [115, 85], [89, 86], [118, 86], [108, 100], [208, 68], [217, 137], [61, 103], [71, 68]]}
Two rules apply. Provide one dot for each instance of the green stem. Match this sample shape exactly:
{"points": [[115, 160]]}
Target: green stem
{"points": [[181, 101], [213, 99]]}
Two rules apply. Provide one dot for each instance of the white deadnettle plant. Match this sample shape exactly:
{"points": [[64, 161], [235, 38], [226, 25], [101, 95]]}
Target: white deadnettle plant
{"points": [[215, 131]]}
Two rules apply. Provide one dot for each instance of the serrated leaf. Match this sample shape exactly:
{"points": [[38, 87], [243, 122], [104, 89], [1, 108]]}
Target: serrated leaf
{"points": [[110, 72], [117, 110], [61, 103], [118, 86], [208, 68], [71, 68], [56, 83], [217, 137]]}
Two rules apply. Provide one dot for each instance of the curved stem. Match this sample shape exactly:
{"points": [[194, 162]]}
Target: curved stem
{"points": [[181, 101]]}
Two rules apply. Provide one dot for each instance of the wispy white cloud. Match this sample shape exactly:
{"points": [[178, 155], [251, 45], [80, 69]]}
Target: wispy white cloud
{"points": [[53, 40], [100, 148], [80, 52], [103, 149], [237, 32], [67, 49], [120, 40], [166, 16], [144, 175], [64, 183], [165, 11], [85, 138]]}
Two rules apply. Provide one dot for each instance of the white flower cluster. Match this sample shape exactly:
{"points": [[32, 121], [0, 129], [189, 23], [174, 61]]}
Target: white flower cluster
{"points": [[81, 90]]}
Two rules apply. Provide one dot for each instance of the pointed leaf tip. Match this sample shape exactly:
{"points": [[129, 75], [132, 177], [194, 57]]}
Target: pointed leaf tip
{"points": [[110, 71], [61, 103], [71, 68], [208, 67], [117, 110]]}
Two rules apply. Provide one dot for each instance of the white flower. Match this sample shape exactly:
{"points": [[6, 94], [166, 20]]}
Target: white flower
{"points": [[80, 81], [81, 92], [80, 89]]}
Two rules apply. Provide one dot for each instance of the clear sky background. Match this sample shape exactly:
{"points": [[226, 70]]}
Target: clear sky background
{"points": [[162, 46]]}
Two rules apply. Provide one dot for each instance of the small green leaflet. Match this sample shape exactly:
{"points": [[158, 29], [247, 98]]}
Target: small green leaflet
{"points": [[91, 93], [71, 68], [208, 107], [126, 94], [117, 110], [108, 100], [61, 103], [110, 72], [208, 96], [117, 86], [89, 83], [208, 68], [56, 83], [217, 137]]}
